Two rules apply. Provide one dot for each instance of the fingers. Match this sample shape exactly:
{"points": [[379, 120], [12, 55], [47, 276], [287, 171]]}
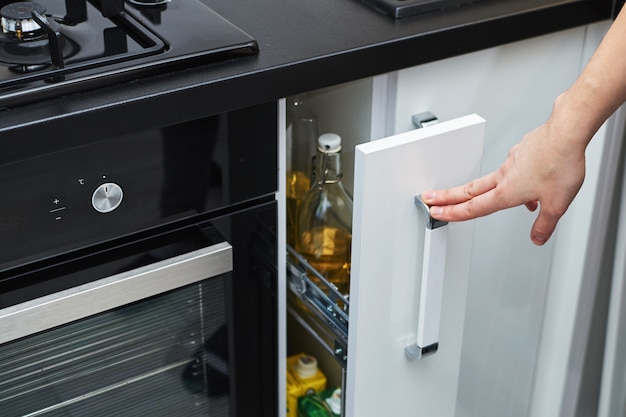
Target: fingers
{"points": [[488, 203], [461, 193], [465, 202], [468, 202], [478, 206], [543, 227]]}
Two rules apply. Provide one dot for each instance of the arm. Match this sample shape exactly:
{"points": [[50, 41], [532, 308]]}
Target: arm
{"points": [[547, 168]]}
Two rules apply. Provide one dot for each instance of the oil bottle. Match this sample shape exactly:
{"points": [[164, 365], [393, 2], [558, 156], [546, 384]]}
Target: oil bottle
{"points": [[324, 217]]}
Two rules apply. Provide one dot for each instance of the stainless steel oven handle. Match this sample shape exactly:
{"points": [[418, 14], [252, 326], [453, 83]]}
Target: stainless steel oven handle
{"points": [[117, 290]]}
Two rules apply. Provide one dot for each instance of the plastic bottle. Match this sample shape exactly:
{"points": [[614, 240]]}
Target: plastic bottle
{"points": [[326, 403], [324, 217], [303, 377], [302, 133]]}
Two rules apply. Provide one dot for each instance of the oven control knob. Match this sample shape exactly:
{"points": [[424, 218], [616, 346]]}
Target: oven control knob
{"points": [[107, 197]]}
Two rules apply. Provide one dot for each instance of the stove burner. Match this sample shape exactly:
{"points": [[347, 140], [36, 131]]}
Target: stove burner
{"points": [[17, 20], [26, 57]]}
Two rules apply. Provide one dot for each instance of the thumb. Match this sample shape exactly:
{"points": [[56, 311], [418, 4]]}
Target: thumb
{"points": [[543, 227]]}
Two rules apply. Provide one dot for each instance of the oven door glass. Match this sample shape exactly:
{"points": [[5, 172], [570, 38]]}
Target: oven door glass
{"points": [[150, 341]]}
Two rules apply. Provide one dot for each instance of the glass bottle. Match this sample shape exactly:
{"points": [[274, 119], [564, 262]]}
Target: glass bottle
{"points": [[324, 218], [302, 133]]}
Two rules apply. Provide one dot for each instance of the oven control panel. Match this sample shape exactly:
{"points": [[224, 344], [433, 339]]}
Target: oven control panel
{"points": [[64, 198], [78, 196]]}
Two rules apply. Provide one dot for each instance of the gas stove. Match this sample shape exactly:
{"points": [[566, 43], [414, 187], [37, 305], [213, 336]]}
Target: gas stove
{"points": [[55, 47]]}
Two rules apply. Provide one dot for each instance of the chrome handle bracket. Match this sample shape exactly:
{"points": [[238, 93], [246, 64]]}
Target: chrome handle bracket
{"points": [[424, 119], [431, 223]]}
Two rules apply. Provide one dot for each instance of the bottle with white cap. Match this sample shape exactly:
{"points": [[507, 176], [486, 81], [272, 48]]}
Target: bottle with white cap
{"points": [[324, 217]]}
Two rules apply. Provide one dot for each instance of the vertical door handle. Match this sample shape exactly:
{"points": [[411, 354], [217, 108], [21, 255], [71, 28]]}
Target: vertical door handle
{"points": [[431, 292]]}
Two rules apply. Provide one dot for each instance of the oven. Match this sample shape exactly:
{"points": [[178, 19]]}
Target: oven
{"points": [[137, 275]]}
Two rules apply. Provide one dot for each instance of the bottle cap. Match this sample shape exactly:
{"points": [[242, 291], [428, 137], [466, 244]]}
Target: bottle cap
{"points": [[334, 401], [306, 366], [330, 141]]}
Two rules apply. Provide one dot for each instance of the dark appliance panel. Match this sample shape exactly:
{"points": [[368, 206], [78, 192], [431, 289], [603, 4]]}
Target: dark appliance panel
{"points": [[163, 175]]}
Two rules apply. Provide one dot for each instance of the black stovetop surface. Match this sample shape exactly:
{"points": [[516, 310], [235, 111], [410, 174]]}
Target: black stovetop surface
{"points": [[109, 40]]}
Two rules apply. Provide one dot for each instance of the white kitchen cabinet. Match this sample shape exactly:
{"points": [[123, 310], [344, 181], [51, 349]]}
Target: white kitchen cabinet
{"points": [[516, 316]]}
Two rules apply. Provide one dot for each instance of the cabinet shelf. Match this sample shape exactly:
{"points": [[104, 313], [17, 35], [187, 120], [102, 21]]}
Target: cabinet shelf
{"points": [[317, 305]]}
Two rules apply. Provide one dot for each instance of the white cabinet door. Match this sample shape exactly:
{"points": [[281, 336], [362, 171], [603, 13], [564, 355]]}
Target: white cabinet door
{"points": [[389, 233]]}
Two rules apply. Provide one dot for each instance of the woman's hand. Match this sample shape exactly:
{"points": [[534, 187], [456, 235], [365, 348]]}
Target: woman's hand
{"points": [[547, 168], [541, 171]]}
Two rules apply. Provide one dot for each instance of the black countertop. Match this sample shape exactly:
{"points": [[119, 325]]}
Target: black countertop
{"points": [[304, 45]]}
